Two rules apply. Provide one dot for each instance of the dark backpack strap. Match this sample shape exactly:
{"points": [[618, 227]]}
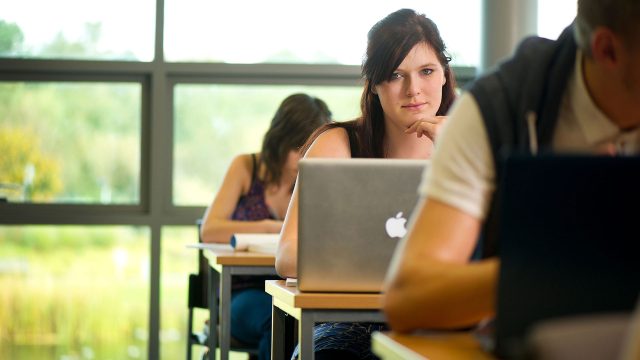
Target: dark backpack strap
{"points": [[504, 110], [254, 170]]}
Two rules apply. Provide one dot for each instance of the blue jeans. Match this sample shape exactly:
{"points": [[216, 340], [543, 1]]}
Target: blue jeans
{"points": [[251, 319]]}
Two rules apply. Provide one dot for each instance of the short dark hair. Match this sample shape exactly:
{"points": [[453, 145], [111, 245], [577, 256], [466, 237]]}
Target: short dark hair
{"points": [[621, 16], [297, 117]]}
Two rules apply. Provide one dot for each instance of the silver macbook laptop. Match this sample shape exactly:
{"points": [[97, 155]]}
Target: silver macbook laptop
{"points": [[352, 213]]}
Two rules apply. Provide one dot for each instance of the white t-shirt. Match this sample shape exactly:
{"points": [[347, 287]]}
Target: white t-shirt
{"points": [[462, 172]]}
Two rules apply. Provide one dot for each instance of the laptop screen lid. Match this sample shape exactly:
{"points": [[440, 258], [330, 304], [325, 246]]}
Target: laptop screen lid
{"points": [[352, 213], [569, 241]]}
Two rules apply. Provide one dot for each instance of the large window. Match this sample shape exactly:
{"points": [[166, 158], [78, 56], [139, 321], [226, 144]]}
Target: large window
{"points": [[74, 292], [77, 29], [70, 142], [294, 31]]}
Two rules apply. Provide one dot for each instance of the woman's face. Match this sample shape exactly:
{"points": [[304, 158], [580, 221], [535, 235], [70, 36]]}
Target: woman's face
{"points": [[414, 91]]}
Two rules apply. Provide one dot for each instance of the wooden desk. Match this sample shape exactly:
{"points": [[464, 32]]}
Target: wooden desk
{"points": [[433, 346], [311, 308], [223, 265]]}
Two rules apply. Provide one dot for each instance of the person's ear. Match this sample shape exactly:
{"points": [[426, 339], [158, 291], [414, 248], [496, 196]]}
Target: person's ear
{"points": [[606, 47], [374, 90]]}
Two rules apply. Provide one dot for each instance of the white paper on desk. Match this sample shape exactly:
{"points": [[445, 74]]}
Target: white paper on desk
{"points": [[264, 243], [212, 247]]}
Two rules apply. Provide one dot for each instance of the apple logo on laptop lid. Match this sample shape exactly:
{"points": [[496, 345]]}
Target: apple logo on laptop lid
{"points": [[395, 226]]}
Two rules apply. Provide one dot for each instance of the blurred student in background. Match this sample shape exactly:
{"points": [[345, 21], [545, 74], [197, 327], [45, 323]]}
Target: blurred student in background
{"points": [[253, 198]]}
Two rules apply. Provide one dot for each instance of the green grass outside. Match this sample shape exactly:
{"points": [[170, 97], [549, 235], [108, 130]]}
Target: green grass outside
{"points": [[74, 292]]}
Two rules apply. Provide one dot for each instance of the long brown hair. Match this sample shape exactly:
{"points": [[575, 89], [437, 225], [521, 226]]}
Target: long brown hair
{"points": [[389, 42], [295, 120]]}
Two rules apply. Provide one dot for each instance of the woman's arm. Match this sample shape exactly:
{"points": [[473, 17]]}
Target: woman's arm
{"points": [[217, 226], [287, 251], [333, 143], [431, 283]]}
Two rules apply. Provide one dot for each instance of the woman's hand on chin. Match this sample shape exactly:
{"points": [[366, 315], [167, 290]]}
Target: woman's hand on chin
{"points": [[429, 127]]}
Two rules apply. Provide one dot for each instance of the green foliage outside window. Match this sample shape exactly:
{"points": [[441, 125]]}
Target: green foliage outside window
{"points": [[83, 140], [71, 292], [23, 164], [11, 38]]}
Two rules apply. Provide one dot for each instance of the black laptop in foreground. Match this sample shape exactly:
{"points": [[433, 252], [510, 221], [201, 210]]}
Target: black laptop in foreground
{"points": [[568, 241]]}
